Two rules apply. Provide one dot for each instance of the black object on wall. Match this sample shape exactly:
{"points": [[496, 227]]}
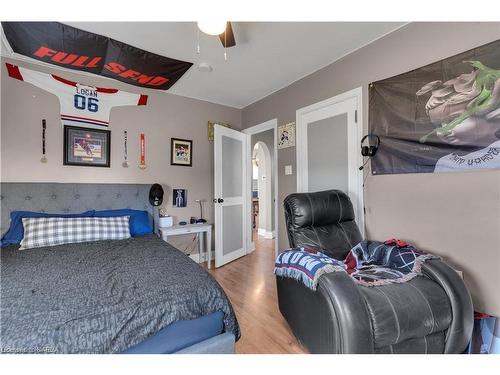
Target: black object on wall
{"points": [[156, 195], [370, 150], [441, 117], [156, 199]]}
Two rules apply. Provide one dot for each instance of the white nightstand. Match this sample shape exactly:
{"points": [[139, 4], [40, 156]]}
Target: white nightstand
{"points": [[199, 230]]}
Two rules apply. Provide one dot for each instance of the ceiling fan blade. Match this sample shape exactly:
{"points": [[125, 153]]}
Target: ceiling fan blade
{"points": [[228, 40]]}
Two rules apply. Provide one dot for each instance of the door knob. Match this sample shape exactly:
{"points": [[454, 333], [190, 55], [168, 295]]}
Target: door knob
{"points": [[220, 200]]}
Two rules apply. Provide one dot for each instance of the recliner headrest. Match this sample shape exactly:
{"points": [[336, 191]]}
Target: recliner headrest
{"points": [[319, 209]]}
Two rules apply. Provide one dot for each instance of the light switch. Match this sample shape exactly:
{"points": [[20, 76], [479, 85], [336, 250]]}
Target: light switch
{"points": [[288, 170]]}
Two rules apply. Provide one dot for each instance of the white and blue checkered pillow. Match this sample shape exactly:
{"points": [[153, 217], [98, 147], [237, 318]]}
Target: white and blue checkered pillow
{"points": [[52, 231]]}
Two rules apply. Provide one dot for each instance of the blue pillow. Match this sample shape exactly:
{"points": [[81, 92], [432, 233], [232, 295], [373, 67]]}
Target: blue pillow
{"points": [[139, 220], [16, 230]]}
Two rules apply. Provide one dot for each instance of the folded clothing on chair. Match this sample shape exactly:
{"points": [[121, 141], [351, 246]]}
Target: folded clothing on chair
{"points": [[369, 263]]}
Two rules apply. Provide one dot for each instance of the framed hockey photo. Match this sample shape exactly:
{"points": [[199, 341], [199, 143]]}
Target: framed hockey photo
{"points": [[181, 152], [86, 147]]}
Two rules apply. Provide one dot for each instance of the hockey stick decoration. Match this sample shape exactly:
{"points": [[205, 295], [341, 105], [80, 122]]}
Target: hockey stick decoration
{"points": [[43, 159], [142, 164], [125, 162]]}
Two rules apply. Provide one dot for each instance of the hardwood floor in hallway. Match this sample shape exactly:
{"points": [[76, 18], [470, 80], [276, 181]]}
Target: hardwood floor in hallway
{"points": [[250, 284]]}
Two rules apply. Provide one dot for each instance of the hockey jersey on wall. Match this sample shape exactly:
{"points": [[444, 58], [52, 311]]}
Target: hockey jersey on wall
{"points": [[80, 105]]}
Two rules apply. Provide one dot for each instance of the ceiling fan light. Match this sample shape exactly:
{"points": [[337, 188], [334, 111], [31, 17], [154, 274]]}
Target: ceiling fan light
{"points": [[212, 27]]}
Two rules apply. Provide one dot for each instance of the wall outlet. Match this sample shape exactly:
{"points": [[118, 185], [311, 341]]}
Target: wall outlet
{"points": [[288, 170]]}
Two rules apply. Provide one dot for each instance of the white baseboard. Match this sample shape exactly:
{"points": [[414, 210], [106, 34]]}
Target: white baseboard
{"points": [[204, 257], [251, 247], [266, 233]]}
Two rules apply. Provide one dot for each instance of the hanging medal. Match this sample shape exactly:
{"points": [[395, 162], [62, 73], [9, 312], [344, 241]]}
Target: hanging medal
{"points": [[125, 153], [142, 164], [44, 128]]}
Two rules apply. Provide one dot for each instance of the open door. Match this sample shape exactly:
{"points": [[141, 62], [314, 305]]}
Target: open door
{"points": [[230, 186]]}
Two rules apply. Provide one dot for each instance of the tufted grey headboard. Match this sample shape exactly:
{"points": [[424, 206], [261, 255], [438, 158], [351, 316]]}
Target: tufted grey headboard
{"points": [[70, 198]]}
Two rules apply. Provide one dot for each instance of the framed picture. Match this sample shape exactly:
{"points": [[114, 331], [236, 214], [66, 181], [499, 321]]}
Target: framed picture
{"points": [[179, 197], [181, 152], [211, 129], [286, 135], [86, 147]]}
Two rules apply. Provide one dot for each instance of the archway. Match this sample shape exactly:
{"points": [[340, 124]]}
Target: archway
{"points": [[262, 173]]}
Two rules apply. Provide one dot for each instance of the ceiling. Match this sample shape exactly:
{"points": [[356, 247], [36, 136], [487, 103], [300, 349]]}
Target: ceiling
{"points": [[268, 55]]}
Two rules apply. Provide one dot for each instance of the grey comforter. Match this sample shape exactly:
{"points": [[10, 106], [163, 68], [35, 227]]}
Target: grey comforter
{"points": [[101, 297]]}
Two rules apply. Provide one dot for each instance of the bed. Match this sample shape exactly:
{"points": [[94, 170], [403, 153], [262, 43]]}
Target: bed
{"points": [[138, 295]]}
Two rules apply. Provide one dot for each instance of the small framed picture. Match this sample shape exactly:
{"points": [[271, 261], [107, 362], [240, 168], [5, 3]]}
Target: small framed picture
{"points": [[86, 147], [181, 152], [286, 135], [179, 197], [211, 128]]}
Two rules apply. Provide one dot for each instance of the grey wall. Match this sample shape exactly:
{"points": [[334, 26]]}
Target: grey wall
{"points": [[455, 215], [165, 116], [267, 137]]}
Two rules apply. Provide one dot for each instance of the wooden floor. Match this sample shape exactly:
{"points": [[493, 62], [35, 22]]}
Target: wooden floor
{"points": [[250, 284]]}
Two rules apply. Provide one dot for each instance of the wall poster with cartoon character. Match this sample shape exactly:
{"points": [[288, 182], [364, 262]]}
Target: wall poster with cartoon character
{"points": [[439, 118]]}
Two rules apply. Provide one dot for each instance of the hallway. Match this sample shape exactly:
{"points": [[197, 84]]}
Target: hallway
{"points": [[250, 284]]}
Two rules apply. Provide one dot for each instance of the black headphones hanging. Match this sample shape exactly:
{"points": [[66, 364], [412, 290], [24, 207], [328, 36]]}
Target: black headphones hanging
{"points": [[370, 151]]}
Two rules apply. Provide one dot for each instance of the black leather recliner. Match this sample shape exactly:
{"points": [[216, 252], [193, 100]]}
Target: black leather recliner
{"points": [[428, 314]]}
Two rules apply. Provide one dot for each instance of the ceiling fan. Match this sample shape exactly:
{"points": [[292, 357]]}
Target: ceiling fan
{"points": [[221, 28]]}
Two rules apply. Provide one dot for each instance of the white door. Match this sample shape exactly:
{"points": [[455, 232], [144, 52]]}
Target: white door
{"points": [[328, 148], [230, 186]]}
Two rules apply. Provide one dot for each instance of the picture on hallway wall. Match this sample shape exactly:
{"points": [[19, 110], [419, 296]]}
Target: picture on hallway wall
{"points": [[286, 135], [179, 198], [442, 117]]}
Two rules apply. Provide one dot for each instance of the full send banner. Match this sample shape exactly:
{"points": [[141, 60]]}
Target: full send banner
{"points": [[442, 117], [72, 48]]}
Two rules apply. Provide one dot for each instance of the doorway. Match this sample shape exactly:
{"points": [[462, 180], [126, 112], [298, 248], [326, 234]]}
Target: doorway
{"points": [[262, 190], [262, 186], [328, 151]]}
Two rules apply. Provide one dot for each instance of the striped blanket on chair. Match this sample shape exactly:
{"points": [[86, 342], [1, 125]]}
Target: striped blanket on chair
{"points": [[306, 265], [369, 263]]}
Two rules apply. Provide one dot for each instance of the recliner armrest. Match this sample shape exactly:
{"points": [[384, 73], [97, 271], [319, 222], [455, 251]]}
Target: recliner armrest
{"points": [[353, 319], [460, 331]]}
